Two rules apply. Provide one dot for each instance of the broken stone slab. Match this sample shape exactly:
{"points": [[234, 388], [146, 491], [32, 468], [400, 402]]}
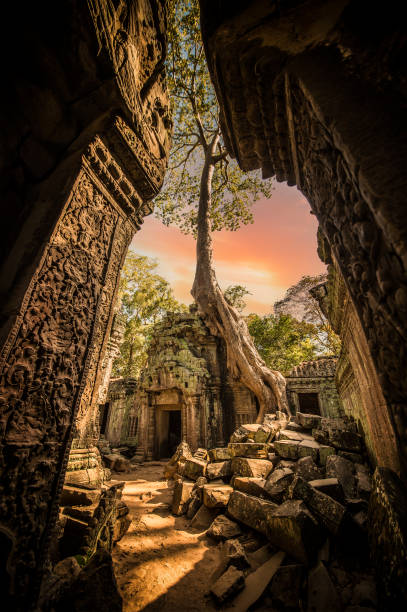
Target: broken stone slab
{"points": [[342, 469], [116, 462], [248, 449], [234, 554], [228, 585], [308, 421], [329, 486], [221, 469], [219, 454], [322, 595], [194, 468], [182, 452], [204, 517], [194, 503], [260, 556], [75, 496], [293, 426], [285, 587], [330, 512], [201, 453], [263, 434], [387, 529], [277, 483], [308, 469], [181, 497], [363, 481], [251, 486], [324, 452], [249, 510], [216, 496], [292, 528], [354, 457], [257, 468], [256, 584], [287, 449], [223, 528], [345, 440], [286, 434], [308, 448]]}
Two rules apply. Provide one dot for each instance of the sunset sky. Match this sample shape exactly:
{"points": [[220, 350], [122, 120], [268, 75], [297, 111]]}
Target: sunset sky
{"points": [[266, 257]]}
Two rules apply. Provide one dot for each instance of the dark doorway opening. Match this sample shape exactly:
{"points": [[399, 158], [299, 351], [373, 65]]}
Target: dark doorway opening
{"points": [[168, 432], [103, 416], [309, 403], [174, 431]]}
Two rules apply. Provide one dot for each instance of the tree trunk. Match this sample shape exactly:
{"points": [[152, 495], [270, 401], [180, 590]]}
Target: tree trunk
{"points": [[243, 361]]}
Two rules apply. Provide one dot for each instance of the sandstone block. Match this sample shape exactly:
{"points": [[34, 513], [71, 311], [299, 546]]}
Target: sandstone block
{"points": [[322, 595], [194, 468], [345, 440], [308, 421], [116, 462], [74, 496], [253, 450], [292, 528], [363, 481], [257, 468], [287, 434], [265, 433], [342, 469], [221, 469], [308, 448], [329, 486], [230, 583], [277, 483], [285, 587], [235, 555], [330, 512], [324, 452], [219, 454], [216, 496], [204, 517], [182, 495], [288, 449], [249, 510], [308, 469], [194, 503], [251, 486], [223, 528]]}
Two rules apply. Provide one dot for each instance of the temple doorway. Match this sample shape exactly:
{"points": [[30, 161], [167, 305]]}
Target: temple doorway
{"points": [[168, 431], [309, 403]]}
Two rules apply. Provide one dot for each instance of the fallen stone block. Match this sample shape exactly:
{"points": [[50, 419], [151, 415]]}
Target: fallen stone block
{"points": [[194, 468], [354, 457], [204, 517], [223, 528], [216, 496], [286, 434], [257, 468], [277, 483], [249, 510], [330, 512], [345, 440], [363, 481], [251, 486], [182, 495], [219, 454], [74, 496], [292, 528], [324, 452], [221, 469], [248, 449], [329, 486], [182, 452], [308, 448], [265, 433], [235, 555], [228, 585], [308, 421], [260, 556], [342, 469], [201, 454], [194, 503], [322, 595], [308, 469], [116, 463], [285, 587], [288, 449]]}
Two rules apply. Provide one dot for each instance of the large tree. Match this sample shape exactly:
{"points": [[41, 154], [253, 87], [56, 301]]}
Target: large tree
{"points": [[204, 191], [145, 298]]}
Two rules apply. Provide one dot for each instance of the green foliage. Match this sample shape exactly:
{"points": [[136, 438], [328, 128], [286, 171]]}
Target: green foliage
{"points": [[145, 298], [196, 123], [235, 294], [282, 341], [302, 305]]}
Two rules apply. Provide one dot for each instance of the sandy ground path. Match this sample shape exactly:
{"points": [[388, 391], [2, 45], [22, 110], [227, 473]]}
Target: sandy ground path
{"points": [[161, 564]]}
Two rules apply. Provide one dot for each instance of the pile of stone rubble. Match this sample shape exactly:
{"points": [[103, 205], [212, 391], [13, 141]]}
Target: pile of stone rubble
{"points": [[288, 502]]}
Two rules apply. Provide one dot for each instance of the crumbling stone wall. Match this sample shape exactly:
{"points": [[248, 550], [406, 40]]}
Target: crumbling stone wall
{"points": [[85, 125], [317, 377], [121, 426], [314, 94]]}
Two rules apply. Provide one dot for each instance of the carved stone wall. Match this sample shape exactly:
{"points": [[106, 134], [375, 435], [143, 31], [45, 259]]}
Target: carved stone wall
{"points": [[313, 93], [121, 422], [85, 137]]}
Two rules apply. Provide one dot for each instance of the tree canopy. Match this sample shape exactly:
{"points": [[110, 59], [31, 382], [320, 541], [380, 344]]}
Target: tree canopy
{"points": [[235, 295], [145, 298]]}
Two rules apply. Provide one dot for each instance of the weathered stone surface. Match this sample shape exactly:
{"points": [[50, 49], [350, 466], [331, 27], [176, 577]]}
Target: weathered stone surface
{"points": [[246, 449], [308, 421], [354, 457], [204, 517], [322, 595], [288, 449], [308, 469], [329, 486], [74, 496], [308, 448], [330, 512], [265, 433], [250, 429], [277, 483], [251, 486], [194, 503], [324, 452], [234, 554], [250, 510], [387, 528], [117, 463], [285, 587], [219, 454], [292, 528], [342, 469], [363, 481], [256, 583], [257, 468], [216, 496], [182, 495], [230, 583], [345, 440], [194, 468], [221, 469], [223, 528]]}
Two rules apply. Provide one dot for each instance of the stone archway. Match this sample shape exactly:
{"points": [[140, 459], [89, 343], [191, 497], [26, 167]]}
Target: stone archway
{"points": [[311, 92]]}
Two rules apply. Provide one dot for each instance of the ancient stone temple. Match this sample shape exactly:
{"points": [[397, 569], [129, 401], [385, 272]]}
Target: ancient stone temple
{"points": [[185, 393], [118, 418], [311, 388]]}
